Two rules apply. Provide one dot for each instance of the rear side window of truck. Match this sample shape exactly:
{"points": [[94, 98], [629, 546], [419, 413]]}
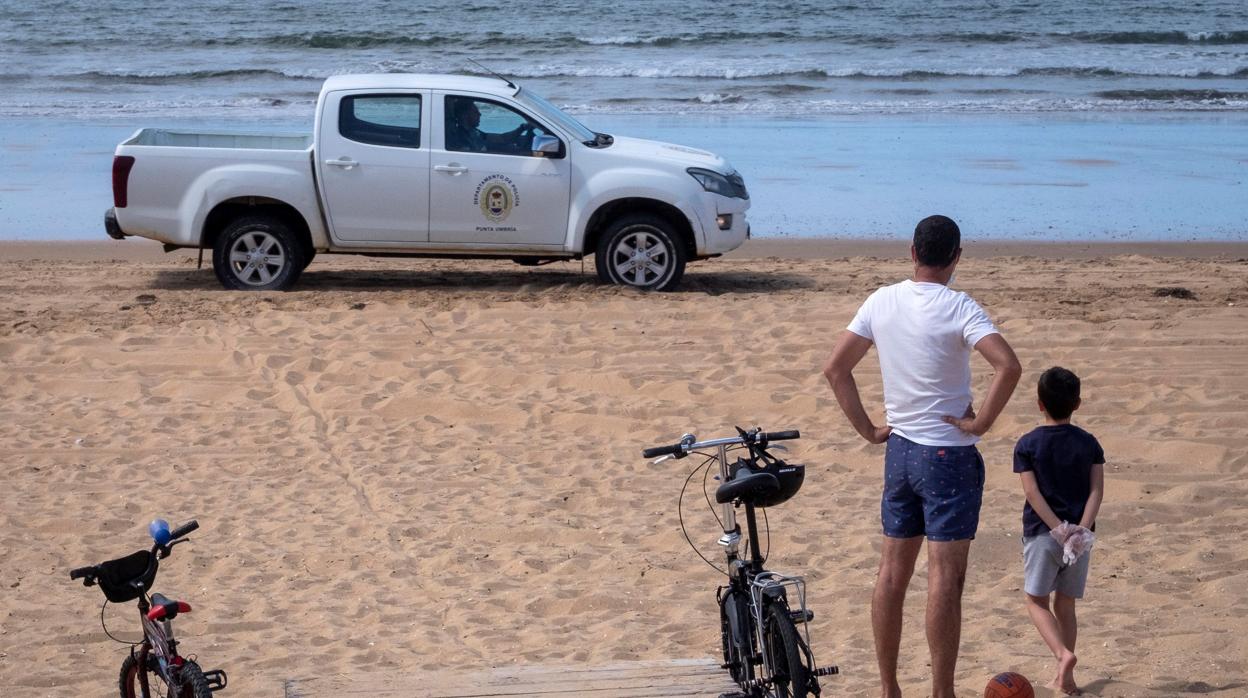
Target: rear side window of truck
{"points": [[390, 120]]}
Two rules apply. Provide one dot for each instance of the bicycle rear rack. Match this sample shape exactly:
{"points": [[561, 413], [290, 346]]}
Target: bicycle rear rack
{"points": [[789, 588]]}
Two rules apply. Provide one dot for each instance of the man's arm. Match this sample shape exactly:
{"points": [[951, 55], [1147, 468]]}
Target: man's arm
{"points": [[839, 370], [1093, 507], [1001, 357]]}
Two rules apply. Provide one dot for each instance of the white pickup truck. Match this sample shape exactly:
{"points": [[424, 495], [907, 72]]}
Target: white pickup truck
{"points": [[428, 165]]}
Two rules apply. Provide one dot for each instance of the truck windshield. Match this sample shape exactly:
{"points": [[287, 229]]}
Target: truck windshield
{"points": [[550, 111]]}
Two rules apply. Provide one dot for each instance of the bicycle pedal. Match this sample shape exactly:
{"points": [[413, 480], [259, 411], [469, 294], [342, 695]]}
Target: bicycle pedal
{"points": [[735, 694], [828, 670], [217, 680], [800, 616]]}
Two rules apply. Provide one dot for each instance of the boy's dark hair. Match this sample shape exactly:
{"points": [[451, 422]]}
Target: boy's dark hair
{"points": [[1059, 392], [936, 241]]}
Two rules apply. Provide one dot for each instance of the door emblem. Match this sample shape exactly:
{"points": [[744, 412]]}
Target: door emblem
{"points": [[496, 195]]}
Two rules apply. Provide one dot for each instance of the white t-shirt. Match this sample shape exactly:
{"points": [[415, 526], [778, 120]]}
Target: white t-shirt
{"points": [[924, 333]]}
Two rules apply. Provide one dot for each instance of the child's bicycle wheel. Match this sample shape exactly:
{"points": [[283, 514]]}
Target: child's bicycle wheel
{"points": [[193, 682]]}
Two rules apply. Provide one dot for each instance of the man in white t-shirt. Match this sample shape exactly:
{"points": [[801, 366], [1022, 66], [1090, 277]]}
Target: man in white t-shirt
{"points": [[933, 474]]}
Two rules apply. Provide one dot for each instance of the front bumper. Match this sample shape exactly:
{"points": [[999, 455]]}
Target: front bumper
{"points": [[719, 241], [111, 227]]}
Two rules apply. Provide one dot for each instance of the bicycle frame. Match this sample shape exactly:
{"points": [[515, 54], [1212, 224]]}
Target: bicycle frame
{"points": [[158, 640], [761, 583], [752, 591]]}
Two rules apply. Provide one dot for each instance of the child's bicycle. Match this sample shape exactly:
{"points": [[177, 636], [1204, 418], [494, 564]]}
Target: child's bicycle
{"points": [[129, 578], [763, 649]]}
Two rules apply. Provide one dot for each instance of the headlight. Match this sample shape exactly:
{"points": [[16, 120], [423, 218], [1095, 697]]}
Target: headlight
{"points": [[713, 182]]}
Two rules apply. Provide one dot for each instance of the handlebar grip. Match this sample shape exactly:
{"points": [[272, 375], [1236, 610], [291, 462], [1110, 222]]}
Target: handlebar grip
{"points": [[661, 451], [184, 529], [782, 435], [82, 572]]}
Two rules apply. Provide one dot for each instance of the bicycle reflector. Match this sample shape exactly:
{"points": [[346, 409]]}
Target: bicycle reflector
{"points": [[160, 531]]}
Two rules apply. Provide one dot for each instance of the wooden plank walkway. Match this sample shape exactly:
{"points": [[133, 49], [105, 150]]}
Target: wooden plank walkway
{"points": [[651, 679]]}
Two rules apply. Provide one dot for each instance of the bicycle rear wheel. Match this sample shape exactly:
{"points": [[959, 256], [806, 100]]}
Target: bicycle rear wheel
{"points": [[194, 685], [785, 654], [191, 682]]}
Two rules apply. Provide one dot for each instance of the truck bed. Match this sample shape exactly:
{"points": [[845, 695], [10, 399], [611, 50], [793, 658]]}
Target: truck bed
{"points": [[202, 139]]}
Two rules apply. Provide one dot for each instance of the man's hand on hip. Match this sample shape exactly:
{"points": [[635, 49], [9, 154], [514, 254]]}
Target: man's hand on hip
{"points": [[878, 435], [966, 422]]}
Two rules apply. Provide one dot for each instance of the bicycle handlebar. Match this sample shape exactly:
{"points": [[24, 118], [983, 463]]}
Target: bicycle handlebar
{"points": [[89, 571], [661, 451], [687, 444], [184, 529]]}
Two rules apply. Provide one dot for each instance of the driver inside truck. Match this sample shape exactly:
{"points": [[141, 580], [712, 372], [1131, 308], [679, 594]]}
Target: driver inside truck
{"points": [[463, 132]]}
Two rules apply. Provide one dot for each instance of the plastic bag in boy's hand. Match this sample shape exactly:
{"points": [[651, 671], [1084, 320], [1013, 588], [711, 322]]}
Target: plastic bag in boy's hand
{"points": [[1077, 544], [1062, 532]]}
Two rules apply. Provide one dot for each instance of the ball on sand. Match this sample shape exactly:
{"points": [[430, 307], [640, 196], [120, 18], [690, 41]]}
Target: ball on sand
{"points": [[1009, 685]]}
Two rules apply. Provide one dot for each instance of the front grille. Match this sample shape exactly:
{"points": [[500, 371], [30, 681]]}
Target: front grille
{"points": [[738, 186]]}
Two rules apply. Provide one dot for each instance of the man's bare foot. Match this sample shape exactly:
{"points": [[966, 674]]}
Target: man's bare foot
{"points": [[1065, 679]]}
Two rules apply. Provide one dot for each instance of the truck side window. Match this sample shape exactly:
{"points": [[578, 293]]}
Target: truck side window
{"points": [[482, 126], [392, 120]]}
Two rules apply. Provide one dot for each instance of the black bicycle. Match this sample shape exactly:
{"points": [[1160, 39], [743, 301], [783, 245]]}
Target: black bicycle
{"points": [[129, 578], [764, 621]]}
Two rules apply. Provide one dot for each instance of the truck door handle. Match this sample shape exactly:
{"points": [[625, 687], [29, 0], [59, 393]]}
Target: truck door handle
{"points": [[348, 163], [451, 169]]}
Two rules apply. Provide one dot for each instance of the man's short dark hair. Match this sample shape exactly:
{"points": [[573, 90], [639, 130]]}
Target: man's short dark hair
{"points": [[936, 241], [1059, 392]]}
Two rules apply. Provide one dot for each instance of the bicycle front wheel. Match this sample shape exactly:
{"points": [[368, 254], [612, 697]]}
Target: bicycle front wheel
{"points": [[785, 654], [129, 682], [734, 630]]}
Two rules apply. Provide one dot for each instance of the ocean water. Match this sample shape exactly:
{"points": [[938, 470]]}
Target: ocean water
{"points": [[1153, 91]]}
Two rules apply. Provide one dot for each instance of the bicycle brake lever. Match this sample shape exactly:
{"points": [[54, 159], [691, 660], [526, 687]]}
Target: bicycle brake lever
{"points": [[777, 447], [660, 459]]}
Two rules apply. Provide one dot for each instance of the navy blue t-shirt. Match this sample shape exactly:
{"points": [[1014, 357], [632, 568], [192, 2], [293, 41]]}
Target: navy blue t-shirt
{"points": [[1061, 456]]}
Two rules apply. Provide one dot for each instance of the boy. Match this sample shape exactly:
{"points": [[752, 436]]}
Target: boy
{"points": [[1063, 474]]}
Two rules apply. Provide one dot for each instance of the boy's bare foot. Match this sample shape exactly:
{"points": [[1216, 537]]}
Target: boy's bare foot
{"points": [[1065, 679]]}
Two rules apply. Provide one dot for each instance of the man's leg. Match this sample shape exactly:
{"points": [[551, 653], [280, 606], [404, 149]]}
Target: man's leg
{"points": [[946, 575], [896, 567]]}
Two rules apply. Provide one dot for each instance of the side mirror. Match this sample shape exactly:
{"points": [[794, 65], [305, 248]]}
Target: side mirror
{"points": [[548, 145]]}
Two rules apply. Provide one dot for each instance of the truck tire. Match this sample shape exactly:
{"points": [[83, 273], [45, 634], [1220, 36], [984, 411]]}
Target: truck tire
{"points": [[258, 253], [641, 251]]}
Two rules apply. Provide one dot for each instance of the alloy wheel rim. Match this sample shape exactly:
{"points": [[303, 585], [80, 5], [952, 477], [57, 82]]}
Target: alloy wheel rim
{"points": [[256, 258], [641, 258]]}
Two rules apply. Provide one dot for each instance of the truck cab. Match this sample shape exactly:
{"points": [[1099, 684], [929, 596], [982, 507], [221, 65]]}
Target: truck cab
{"points": [[429, 165]]}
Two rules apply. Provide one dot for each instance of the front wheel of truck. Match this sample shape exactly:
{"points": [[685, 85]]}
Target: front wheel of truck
{"points": [[641, 251], [257, 253]]}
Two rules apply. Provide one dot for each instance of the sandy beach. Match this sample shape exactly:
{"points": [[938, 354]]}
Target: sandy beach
{"points": [[412, 465]]}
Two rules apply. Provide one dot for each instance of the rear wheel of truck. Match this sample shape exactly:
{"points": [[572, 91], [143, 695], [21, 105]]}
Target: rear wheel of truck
{"points": [[641, 251], [258, 253]]}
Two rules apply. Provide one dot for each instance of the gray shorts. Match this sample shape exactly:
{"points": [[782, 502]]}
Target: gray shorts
{"points": [[1044, 573]]}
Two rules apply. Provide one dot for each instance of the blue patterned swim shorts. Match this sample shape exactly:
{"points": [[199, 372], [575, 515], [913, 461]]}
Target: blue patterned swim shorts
{"points": [[931, 490]]}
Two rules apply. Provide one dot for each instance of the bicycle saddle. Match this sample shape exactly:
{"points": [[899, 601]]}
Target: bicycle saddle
{"points": [[749, 487], [164, 608]]}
